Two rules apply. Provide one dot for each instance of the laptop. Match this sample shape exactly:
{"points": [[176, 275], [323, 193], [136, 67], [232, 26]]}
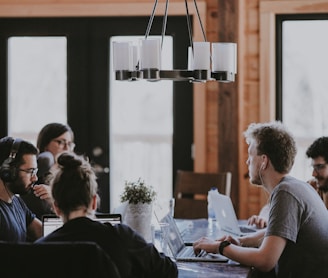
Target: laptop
{"points": [[226, 216], [51, 222], [182, 252]]}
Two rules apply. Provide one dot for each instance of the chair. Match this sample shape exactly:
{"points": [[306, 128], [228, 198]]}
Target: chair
{"points": [[191, 190], [55, 259]]}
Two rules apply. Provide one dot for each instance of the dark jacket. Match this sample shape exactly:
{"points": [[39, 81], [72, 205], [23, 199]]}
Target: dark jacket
{"points": [[133, 256]]}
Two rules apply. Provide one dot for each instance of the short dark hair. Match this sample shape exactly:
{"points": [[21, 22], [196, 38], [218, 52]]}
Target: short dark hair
{"points": [[50, 132], [276, 142], [25, 147], [318, 148]]}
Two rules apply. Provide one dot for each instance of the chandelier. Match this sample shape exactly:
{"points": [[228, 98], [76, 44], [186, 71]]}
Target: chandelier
{"points": [[206, 61]]}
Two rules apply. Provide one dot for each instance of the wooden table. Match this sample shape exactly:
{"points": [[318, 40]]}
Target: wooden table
{"points": [[192, 230], [211, 270]]}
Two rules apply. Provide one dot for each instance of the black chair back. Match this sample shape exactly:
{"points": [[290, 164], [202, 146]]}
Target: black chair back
{"points": [[55, 259]]}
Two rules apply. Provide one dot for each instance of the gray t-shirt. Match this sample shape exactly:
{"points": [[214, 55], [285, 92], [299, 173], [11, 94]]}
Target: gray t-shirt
{"points": [[298, 214]]}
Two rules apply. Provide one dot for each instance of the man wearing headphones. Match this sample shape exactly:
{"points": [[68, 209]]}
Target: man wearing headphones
{"points": [[17, 176]]}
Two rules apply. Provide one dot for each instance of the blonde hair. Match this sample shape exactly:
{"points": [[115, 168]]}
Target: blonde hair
{"points": [[274, 140]]}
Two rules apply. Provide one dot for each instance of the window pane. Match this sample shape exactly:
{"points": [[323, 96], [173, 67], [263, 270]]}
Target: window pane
{"points": [[36, 84], [305, 84], [141, 130]]}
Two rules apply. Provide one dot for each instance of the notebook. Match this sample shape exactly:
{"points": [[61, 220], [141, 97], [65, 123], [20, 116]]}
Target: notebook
{"points": [[182, 252], [226, 216], [52, 222]]}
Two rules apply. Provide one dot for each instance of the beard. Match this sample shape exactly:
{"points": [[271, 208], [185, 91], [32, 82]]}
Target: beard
{"points": [[256, 179], [19, 187], [256, 182], [323, 186]]}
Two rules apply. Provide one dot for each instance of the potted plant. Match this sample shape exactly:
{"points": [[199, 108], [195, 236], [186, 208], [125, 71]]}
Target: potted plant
{"points": [[138, 192], [138, 213]]}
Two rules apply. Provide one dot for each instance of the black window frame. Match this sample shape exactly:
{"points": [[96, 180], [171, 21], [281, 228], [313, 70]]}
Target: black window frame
{"points": [[280, 19]]}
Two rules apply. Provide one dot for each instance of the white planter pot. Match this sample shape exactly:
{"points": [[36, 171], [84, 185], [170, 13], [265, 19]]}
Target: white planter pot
{"points": [[138, 217]]}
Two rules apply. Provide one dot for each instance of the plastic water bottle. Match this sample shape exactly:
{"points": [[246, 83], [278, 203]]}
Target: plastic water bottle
{"points": [[210, 210]]}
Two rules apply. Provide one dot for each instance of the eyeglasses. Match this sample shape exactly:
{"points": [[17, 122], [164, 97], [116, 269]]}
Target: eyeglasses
{"points": [[64, 143], [31, 171], [319, 167]]}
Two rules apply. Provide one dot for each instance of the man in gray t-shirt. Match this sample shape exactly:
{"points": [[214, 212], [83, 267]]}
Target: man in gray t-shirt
{"points": [[298, 215], [295, 243]]}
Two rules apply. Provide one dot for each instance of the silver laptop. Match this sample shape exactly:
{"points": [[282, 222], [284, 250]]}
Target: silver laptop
{"points": [[52, 222], [182, 252], [226, 216]]}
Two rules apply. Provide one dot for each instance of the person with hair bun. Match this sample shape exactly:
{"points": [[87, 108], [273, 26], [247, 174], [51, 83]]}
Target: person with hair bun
{"points": [[74, 190]]}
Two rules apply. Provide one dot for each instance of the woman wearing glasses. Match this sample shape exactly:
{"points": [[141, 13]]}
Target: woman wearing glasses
{"points": [[53, 139]]}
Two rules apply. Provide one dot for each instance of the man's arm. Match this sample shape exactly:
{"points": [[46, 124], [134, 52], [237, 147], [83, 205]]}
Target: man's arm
{"points": [[252, 239], [263, 258], [34, 230]]}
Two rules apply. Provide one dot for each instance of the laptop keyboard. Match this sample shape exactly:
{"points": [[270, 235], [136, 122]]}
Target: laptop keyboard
{"points": [[246, 229], [191, 232], [189, 253]]}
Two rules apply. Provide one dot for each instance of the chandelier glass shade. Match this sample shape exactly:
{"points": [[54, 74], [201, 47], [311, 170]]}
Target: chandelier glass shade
{"points": [[206, 61]]}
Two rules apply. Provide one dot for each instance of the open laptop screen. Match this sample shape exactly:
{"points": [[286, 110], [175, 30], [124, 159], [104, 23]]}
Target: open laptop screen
{"points": [[52, 222]]}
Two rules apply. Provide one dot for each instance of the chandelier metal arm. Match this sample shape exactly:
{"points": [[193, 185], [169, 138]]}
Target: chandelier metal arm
{"points": [[164, 22], [151, 19], [200, 21], [189, 27], [175, 75]]}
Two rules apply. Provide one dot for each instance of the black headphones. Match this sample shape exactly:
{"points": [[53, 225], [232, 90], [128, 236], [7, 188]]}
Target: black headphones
{"points": [[8, 173]]}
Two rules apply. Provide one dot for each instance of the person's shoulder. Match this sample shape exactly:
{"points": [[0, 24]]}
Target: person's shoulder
{"points": [[18, 200], [292, 186], [127, 231], [121, 228], [289, 182], [40, 240]]}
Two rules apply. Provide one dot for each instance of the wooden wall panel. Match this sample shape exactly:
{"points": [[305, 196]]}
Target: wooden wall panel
{"points": [[249, 196], [228, 118]]}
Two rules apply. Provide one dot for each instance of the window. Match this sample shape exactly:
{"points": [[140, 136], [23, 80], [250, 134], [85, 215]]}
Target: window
{"points": [[59, 70], [304, 83], [37, 92], [141, 130]]}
